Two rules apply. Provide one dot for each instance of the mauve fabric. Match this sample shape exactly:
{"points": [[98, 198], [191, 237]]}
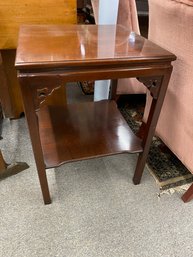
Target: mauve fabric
{"points": [[171, 26], [127, 16], [188, 2]]}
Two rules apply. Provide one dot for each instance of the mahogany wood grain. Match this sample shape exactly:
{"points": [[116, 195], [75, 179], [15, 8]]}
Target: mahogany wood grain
{"points": [[80, 46], [86, 52], [35, 140], [82, 131], [155, 109]]}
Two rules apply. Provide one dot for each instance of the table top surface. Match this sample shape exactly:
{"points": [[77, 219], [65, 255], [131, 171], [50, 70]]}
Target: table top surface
{"points": [[76, 45]]}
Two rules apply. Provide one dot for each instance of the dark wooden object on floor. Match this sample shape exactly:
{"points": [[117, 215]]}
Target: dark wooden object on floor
{"points": [[77, 53], [7, 170], [5, 101], [188, 195], [3, 164]]}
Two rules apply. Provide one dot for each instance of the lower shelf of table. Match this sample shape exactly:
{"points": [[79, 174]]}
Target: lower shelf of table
{"points": [[83, 131]]}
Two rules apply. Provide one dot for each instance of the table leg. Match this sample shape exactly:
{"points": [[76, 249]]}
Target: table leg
{"points": [[151, 125], [113, 90], [29, 107]]}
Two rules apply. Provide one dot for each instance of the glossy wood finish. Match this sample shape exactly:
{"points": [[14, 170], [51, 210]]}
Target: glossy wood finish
{"points": [[78, 53], [80, 45], [82, 131]]}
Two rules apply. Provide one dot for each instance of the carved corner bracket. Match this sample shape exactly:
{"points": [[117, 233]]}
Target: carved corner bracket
{"points": [[40, 95], [152, 84]]}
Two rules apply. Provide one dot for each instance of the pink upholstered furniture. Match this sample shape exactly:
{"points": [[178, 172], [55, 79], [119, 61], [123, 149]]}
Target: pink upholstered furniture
{"points": [[127, 16], [171, 26]]}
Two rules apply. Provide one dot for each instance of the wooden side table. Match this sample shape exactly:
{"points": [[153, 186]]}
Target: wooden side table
{"points": [[50, 56]]}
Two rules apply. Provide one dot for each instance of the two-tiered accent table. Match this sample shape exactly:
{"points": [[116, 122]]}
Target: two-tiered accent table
{"points": [[49, 56]]}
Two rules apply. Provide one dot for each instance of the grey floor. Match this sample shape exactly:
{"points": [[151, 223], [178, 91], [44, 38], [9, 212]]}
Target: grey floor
{"points": [[96, 210]]}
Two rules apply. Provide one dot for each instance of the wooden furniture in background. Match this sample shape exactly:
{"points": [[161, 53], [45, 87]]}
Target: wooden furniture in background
{"points": [[80, 4], [7, 170], [3, 164], [5, 98], [12, 101], [14, 13], [61, 133]]}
